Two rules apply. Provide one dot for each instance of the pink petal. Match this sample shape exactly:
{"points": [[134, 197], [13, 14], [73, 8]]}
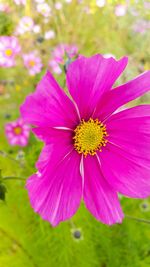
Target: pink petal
{"points": [[89, 78], [51, 135], [49, 106], [100, 199], [125, 161], [56, 193], [121, 95]]}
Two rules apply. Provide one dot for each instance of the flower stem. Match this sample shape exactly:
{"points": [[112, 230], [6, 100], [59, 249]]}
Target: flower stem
{"points": [[14, 178], [138, 219]]}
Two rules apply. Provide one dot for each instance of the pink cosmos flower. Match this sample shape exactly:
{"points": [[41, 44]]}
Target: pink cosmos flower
{"points": [[32, 62], [17, 132], [90, 152], [59, 56], [61, 50], [55, 67], [4, 7], [9, 48], [141, 26]]}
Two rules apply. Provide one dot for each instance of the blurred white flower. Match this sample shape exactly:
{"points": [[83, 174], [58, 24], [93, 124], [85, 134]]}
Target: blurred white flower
{"points": [[49, 35], [68, 1], [58, 5], [120, 10], [39, 1], [100, 3], [20, 2], [37, 29], [109, 55], [44, 9], [25, 25]]}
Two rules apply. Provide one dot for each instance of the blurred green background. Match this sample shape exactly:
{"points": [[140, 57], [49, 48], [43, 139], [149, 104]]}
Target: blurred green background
{"points": [[107, 27]]}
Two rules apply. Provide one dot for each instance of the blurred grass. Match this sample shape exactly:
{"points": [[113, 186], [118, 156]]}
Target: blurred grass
{"points": [[26, 240]]}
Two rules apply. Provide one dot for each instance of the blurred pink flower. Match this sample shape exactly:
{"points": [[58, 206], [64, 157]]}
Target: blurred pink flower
{"points": [[120, 10], [91, 153], [9, 48], [60, 54], [4, 7], [26, 24], [17, 132], [141, 26], [20, 2], [54, 66], [32, 62]]}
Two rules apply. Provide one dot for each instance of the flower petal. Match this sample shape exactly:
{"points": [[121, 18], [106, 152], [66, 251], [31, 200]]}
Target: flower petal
{"points": [[49, 106], [125, 161], [121, 95], [89, 78], [100, 199], [52, 135], [55, 193]]}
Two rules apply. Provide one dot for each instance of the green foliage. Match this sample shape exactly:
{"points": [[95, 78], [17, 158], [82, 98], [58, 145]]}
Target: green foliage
{"points": [[6, 24]]}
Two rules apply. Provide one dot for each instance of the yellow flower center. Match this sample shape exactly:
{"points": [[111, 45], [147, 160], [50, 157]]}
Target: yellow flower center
{"points": [[31, 63], [17, 130], [8, 52], [90, 137]]}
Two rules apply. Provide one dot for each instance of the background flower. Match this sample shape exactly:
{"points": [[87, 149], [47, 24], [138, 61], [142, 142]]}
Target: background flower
{"points": [[17, 132], [9, 48], [32, 62], [25, 25]]}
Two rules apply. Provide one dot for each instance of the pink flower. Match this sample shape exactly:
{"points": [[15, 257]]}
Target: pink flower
{"points": [[9, 48], [20, 2], [55, 67], [61, 50], [60, 54], [32, 62], [4, 7], [17, 132], [90, 152], [141, 26]]}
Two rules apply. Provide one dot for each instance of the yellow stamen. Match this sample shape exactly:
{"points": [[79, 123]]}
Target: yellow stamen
{"points": [[31, 63], [17, 130], [90, 137], [8, 52]]}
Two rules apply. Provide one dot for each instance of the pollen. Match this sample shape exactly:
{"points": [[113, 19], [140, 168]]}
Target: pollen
{"points": [[90, 137], [8, 52], [17, 130], [31, 63]]}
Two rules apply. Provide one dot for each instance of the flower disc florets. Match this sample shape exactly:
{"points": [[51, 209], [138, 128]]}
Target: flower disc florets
{"points": [[90, 137]]}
